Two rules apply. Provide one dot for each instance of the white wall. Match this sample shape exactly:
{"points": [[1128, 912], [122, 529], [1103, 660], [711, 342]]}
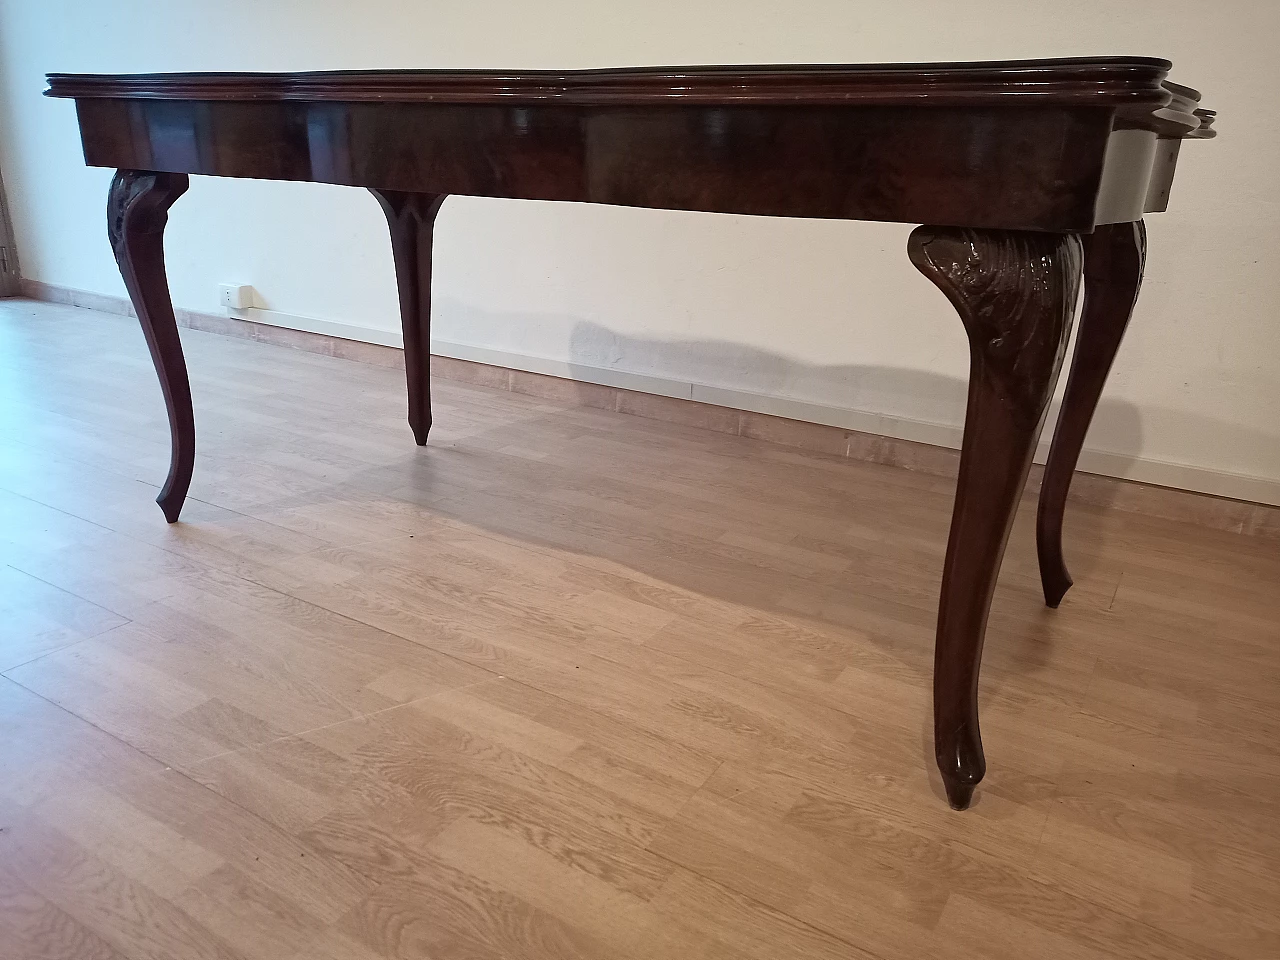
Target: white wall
{"points": [[825, 312]]}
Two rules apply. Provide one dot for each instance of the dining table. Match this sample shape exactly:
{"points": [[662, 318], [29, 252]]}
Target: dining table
{"points": [[1023, 178]]}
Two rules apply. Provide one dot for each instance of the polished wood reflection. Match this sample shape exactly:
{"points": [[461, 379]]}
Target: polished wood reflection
{"points": [[412, 219], [1015, 293], [137, 211], [1018, 145]]}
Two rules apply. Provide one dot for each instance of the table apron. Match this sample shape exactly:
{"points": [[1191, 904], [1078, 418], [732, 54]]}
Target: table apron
{"points": [[1049, 168]]}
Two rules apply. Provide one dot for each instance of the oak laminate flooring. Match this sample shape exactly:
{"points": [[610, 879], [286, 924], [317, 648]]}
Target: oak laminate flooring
{"points": [[569, 683]]}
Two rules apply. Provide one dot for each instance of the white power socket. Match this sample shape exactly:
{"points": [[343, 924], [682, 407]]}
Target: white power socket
{"points": [[235, 297]]}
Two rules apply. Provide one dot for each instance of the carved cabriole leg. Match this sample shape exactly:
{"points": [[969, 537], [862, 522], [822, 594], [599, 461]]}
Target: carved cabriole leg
{"points": [[1015, 292], [411, 217], [137, 210], [1114, 256]]}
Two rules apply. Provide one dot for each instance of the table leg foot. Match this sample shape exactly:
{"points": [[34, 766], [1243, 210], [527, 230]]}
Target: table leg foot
{"points": [[1055, 579], [958, 752], [411, 218], [1014, 292], [959, 793], [1114, 257], [137, 211]]}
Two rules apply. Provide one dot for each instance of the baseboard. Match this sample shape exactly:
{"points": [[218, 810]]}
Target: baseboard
{"points": [[328, 328], [1139, 470], [1217, 499]]}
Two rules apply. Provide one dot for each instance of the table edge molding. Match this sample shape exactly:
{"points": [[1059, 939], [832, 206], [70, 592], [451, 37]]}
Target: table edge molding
{"points": [[1112, 81]]}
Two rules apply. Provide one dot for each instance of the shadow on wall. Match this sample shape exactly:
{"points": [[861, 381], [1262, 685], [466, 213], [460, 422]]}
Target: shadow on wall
{"points": [[875, 398], [934, 401]]}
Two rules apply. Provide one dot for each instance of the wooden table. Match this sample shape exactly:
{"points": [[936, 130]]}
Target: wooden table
{"points": [[1020, 170]]}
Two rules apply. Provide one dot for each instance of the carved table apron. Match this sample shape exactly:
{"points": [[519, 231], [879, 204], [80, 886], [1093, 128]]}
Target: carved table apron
{"points": [[1020, 170]]}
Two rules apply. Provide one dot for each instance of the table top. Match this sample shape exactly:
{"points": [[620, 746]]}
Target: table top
{"points": [[1134, 84], [1051, 145]]}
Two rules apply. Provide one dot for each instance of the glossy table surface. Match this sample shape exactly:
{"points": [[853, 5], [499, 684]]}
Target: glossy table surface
{"points": [[1020, 145], [1025, 175]]}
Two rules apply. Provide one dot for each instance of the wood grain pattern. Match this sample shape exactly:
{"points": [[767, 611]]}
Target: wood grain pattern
{"points": [[573, 683], [1008, 144]]}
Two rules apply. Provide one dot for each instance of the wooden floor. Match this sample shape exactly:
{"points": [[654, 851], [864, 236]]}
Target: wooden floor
{"points": [[568, 683]]}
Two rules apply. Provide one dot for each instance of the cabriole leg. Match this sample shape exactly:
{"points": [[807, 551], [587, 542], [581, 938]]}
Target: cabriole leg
{"points": [[1014, 292], [412, 217], [1114, 256], [137, 211]]}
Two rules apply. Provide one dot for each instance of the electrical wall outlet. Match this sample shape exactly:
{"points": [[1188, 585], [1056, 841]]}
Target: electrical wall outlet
{"points": [[235, 297]]}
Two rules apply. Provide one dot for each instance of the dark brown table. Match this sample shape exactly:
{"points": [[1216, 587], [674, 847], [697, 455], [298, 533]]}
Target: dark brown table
{"points": [[1022, 171]]}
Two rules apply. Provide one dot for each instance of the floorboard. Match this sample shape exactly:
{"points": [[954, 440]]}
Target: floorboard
{"points": [[568, 683]]}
